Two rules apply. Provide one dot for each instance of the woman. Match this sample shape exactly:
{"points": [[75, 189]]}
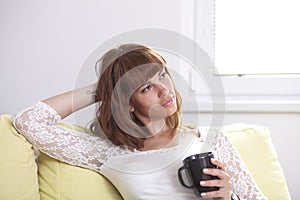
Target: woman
{"points": [[139, 112]]}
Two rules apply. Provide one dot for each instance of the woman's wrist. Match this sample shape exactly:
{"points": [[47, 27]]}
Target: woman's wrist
{"points": [[84, 97], [93, 94], [69, 102]]}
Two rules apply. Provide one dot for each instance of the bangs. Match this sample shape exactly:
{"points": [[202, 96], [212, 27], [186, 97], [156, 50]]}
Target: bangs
{"points": [[141, 74], [139, 67]]}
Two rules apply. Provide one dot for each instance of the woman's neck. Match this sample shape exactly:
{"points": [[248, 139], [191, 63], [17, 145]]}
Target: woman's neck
{"points": [[161, 137], [157, 127]]}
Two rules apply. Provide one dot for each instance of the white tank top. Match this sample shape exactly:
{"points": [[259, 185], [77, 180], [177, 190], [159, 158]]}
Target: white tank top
{"points": [[153, 174]]}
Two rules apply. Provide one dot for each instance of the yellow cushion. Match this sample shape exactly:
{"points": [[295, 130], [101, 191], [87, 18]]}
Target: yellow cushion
{"points": [[59, 180], [18, 169], [256, 149]]}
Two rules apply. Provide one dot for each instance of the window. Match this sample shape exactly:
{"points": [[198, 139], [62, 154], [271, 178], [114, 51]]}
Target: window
{"points": [[254, 45], [257, 37]]}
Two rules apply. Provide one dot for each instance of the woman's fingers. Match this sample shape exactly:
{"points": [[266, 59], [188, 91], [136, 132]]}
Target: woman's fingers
{"points": [[216, 194], [216, 172], [219, 164], [220, 171], [223, 182]]}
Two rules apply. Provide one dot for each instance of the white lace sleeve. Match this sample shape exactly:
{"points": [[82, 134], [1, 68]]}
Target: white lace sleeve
{"points": [[242, 181], [38, 125]]}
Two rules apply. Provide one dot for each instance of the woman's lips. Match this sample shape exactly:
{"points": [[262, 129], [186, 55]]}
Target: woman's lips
{"points": [[167, 103]]}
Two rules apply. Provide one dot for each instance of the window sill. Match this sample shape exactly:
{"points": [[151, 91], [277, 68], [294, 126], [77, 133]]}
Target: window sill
{"points": [[241, 106]]}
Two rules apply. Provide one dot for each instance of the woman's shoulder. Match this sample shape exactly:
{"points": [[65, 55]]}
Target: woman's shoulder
{"points": [[201, 131], [209, 136], [189, 129]]}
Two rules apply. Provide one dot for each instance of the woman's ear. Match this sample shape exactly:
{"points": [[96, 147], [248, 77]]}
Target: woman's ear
{"points": [[131, 109]]}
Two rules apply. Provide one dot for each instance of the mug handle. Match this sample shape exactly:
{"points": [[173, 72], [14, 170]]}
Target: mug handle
{"points": [[185, 167]]}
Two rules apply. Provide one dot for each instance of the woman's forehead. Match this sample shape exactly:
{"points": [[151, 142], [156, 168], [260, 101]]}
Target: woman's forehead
{"points": [[140, 75], [152, 79], [145, 71]]}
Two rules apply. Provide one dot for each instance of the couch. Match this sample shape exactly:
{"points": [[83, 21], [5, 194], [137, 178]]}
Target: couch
{"points": [[25, 176]]}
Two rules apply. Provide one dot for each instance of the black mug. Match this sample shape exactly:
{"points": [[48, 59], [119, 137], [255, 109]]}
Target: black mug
{"points": [[193, 167]]}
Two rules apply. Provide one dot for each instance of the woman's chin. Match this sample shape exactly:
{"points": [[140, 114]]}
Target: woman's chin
{"points": [[171, 110]]}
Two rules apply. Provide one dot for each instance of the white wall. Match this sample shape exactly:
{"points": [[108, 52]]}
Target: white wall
{"points": [[45, 43]]}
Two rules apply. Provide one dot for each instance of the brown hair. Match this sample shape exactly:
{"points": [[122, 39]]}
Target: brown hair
{"points": [[115, 87]]}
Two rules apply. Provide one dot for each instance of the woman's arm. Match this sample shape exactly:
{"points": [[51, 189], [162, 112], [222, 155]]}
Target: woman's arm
{"points": [[67, 103], [39, 125], [243, 184]]}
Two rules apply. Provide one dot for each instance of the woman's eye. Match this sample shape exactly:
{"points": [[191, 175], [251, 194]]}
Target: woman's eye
{"points": [[163, 75], [148, 87]]}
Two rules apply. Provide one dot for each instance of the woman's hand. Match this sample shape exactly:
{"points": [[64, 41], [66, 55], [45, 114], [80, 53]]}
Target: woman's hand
{"points": [[223, 182]]}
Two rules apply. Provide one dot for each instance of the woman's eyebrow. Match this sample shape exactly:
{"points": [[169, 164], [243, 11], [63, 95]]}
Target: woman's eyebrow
{"points": [[149, 82], [139, 87], [161, 71]]}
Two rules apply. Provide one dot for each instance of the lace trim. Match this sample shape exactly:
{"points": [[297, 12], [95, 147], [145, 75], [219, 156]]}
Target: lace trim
{"points": [[38, 125], [242, 181]]}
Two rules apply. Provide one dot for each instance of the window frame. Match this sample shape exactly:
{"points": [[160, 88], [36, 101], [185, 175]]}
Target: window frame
{"points": [[244, 93]]}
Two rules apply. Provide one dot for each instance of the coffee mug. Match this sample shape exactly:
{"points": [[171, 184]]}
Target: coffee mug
{"points": [[193, 167]]}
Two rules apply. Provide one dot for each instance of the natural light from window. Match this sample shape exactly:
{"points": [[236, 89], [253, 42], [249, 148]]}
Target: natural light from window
{"points": [[257, 37]]}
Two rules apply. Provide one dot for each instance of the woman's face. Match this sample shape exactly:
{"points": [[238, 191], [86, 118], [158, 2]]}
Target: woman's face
{"points": [[154, 99]]}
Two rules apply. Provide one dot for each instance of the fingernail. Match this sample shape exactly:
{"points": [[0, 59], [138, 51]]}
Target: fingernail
{"points": [[203, 194], [202, 182], [205, 170]]}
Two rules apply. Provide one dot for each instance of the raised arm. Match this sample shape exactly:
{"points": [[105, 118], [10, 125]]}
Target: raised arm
{"points": [[69, 102], [39, 125]]}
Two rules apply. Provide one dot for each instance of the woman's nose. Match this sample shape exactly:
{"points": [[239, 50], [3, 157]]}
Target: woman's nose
{"points": [[163, 90]]}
